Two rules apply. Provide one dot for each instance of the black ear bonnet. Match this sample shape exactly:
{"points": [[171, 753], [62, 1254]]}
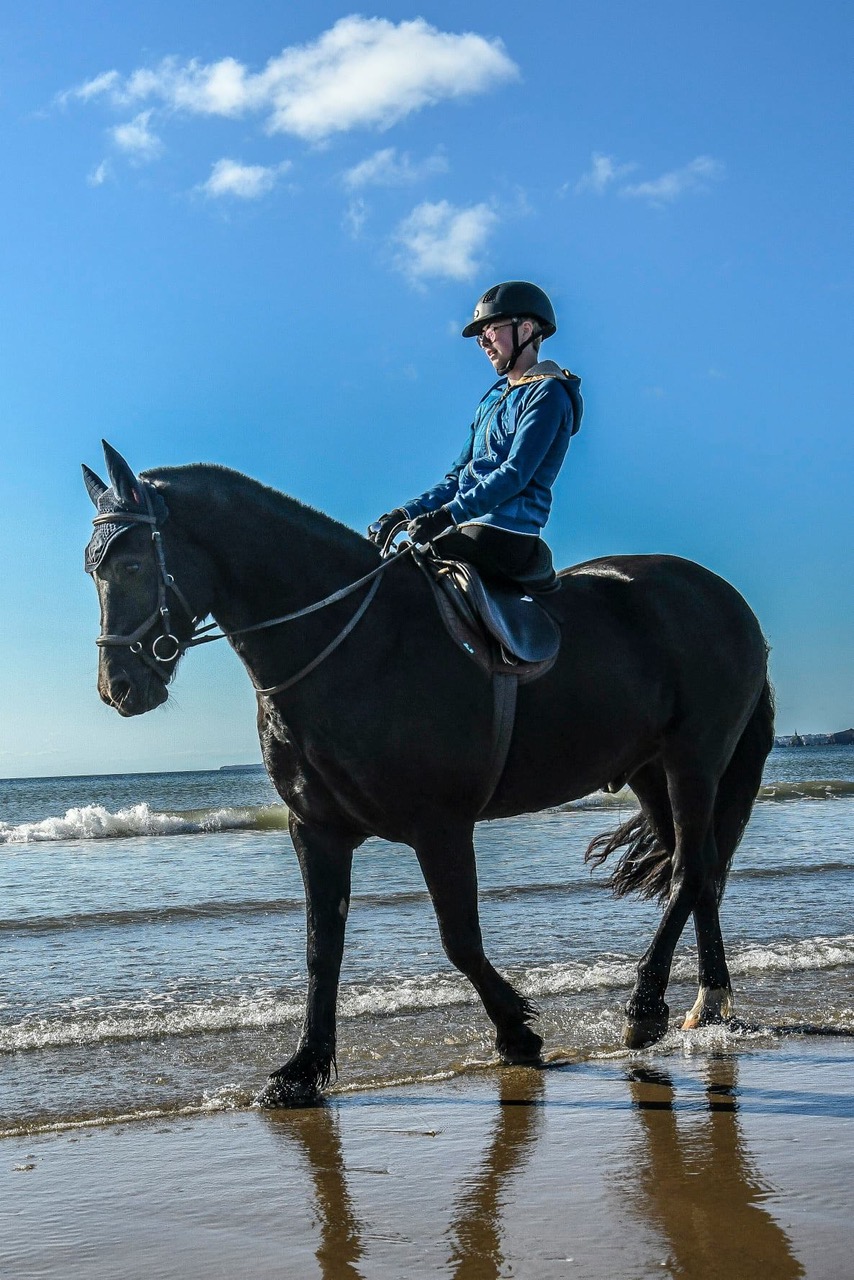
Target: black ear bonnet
{"points": [[130, 499]]}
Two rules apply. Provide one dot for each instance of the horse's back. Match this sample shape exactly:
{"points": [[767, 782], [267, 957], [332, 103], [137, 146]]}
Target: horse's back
{"points": [[660, 632], [667, 595]]}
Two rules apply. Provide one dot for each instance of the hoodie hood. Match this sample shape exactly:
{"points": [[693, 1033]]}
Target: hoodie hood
{"points": [[569, 381]]}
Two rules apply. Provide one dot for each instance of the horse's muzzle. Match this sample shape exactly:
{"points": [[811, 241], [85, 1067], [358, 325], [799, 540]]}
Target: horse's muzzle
{"points": [[130, 695]]}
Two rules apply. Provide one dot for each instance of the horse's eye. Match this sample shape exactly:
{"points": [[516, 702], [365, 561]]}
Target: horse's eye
{"points": [[132, 567]]}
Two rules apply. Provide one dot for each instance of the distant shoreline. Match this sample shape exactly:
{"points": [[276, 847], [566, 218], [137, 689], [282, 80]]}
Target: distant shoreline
{"points": [[845, 738]]}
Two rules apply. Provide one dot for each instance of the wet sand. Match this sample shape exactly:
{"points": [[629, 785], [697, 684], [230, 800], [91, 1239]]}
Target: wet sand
{"points": [[701, 1165]]}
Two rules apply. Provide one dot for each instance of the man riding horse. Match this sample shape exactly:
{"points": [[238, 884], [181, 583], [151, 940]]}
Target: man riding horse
{"points": [[492, 505]]}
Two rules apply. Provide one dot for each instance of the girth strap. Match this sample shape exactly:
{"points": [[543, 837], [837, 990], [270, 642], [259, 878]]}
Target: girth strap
{"points": [[504, 689]]}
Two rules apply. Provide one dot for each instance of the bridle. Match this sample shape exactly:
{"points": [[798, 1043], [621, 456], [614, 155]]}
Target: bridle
{"points": [[161, 612], [205, 633]]}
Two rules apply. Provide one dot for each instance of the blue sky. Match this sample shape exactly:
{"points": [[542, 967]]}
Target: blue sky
{"points": [[250, 234]]}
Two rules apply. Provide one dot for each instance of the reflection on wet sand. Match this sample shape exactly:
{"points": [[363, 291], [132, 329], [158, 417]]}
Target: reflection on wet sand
{"points": [[690, 1176], [475, 1230], [318, 1134], [679, 1188], [474, 1233]]}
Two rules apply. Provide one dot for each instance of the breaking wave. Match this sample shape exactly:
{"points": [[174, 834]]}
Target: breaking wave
{"points": [[94, 822]]}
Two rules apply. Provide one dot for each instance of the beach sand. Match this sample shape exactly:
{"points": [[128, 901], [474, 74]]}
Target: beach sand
{"points": [[705, 1164]]}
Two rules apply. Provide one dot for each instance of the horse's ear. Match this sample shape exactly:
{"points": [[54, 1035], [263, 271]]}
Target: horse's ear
{"points": [[123, 480], [94, 485]]}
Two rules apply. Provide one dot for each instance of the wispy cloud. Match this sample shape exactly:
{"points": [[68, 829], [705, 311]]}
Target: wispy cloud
{"points": [[605, 173], [136, 139], [695, 176], [602, 173], [388, 169], [442, 240], [356, 216], [99, 175], [245, 181], [361, 73], [106, 82]]}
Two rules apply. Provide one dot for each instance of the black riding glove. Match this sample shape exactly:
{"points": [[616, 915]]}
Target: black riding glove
{"points": [[379, 531], [427, 527]]}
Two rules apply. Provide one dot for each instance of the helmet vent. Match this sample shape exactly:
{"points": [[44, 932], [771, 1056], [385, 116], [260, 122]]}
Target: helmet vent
{"points": [[491, 294]]}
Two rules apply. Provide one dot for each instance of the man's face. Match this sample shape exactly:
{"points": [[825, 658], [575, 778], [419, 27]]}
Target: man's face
{"points": [[497, 340]]}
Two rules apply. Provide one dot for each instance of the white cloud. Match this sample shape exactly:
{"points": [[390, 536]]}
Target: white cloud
{"points": [[104, 83], [99, 176], [245, 181], [136, 138], [442, 240], [603, 171], [362, 72], [385, 169], [356, 216], [691, 177]]}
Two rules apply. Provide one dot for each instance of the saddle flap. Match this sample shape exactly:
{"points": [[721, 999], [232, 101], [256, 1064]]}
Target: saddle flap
{"points": [[518, 622]]}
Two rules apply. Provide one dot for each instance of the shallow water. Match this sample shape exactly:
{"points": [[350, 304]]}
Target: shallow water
{"points": [[152, 938]]}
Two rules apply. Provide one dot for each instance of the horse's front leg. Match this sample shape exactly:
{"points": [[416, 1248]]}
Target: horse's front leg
{"points": [[325, 859], [446, 857]]}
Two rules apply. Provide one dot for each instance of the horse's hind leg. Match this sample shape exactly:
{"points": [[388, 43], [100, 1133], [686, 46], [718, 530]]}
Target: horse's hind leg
{"points": [[325, 858], [692, 797], [447, 862], [714, 998]]}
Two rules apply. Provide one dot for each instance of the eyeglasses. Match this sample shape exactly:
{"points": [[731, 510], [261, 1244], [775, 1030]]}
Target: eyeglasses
{"points": [[487, 334]]}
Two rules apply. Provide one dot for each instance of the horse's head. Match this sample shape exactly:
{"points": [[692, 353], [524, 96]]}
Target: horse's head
{"points": [[146, 620]]}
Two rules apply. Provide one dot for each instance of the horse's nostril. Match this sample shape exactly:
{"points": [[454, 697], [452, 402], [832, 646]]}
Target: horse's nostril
{"points": [[119, 692]]}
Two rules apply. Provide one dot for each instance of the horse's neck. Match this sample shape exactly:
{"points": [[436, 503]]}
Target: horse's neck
{"points": [[269, 556]]}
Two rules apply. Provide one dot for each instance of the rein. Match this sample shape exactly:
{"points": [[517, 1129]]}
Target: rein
{"points": [[200, 633]]}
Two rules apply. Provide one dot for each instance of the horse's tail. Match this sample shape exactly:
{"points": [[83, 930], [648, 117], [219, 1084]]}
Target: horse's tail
{"points": [[645, 867]]}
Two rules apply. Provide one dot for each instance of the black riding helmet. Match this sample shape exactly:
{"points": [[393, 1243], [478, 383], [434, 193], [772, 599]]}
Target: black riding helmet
{"points": [[514, 300]]}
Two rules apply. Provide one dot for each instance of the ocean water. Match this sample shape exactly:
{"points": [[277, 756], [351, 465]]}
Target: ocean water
{"points": [[152, 940]]}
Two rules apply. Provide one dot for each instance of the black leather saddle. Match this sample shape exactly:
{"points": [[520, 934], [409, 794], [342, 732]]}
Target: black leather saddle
{"points": [[497, 627]]}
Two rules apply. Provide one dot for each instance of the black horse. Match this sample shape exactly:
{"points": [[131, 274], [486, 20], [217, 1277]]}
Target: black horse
{"points": [[373, 722]]}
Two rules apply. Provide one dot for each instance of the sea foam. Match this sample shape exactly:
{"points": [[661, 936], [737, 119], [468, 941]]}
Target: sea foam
{"points": [[94, 822], [161, 1014]]}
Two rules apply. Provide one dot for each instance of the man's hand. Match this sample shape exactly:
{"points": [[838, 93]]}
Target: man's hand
{"points": [[427, 527], [379, 531]]}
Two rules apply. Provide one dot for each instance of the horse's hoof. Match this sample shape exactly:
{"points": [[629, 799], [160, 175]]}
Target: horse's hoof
{"points": [[526, 1050], [640, 1032], [282, 1092], [712, 1006]]}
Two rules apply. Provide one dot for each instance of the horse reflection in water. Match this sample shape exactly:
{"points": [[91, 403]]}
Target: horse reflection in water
{"points": [[476, 1228], [474, 1235], [695, 1182], [318, 1134], [691, 1186]]}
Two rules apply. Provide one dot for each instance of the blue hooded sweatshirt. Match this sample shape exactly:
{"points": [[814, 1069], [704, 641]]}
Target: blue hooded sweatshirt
{"points": [[514, 451]]}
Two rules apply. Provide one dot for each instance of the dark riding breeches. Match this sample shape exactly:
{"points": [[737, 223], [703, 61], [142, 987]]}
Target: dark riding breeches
{"points": [[519, 560]]}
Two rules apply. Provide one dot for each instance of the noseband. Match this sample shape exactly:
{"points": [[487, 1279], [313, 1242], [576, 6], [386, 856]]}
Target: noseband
{"points": [[167, 648]]}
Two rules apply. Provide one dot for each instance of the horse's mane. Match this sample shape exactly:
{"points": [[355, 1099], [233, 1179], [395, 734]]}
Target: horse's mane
{"points": [[223, 486]]}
